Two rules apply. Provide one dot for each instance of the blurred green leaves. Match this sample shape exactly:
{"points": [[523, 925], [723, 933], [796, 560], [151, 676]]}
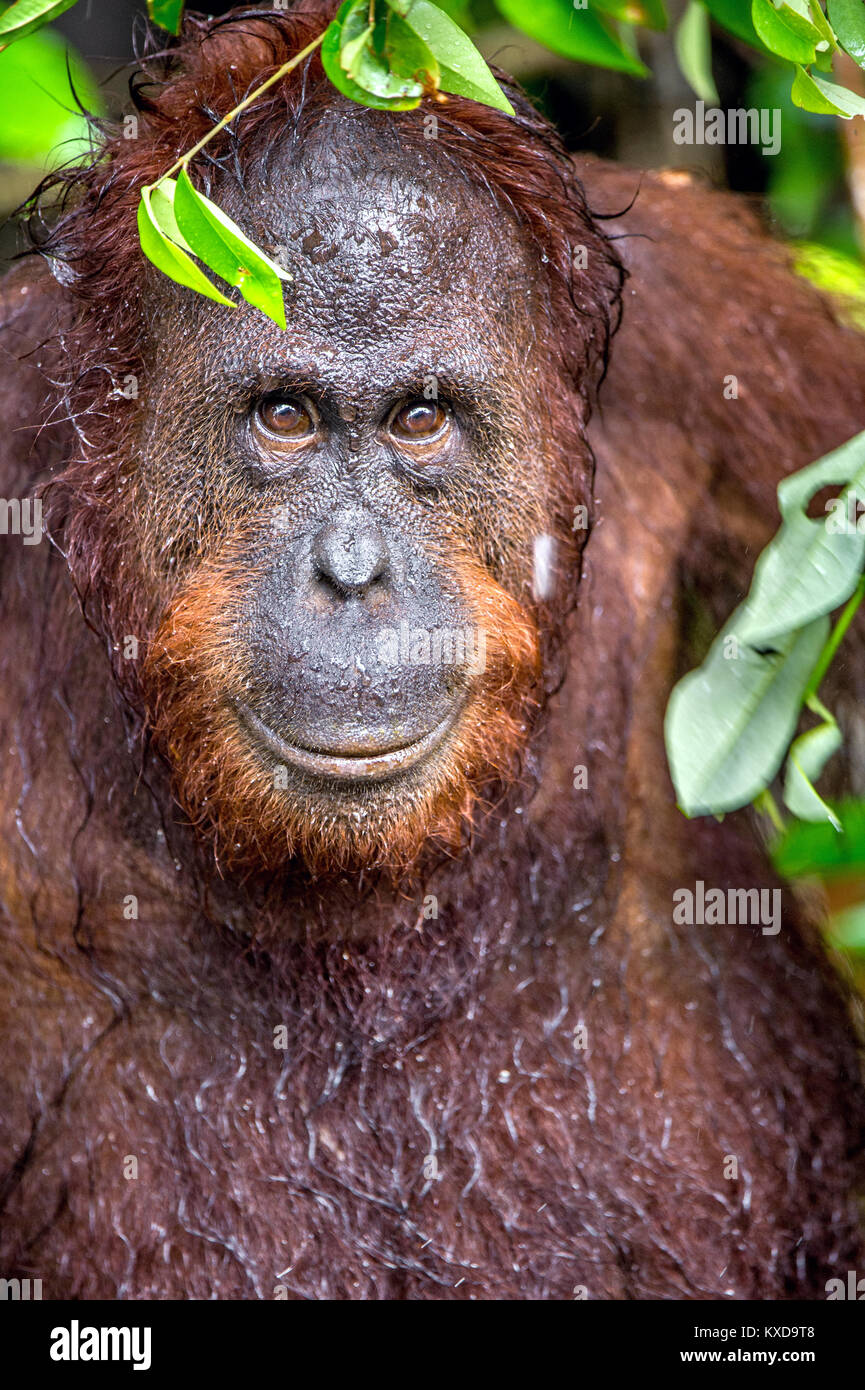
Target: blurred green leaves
{"points": [[26, 16], [694, 51], [40, 115], [817, 847], [390, 53], [586, 35], [166, 13]]}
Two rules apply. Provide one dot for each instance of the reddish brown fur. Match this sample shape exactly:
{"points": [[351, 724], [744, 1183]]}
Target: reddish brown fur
{"points": [[305, 1171]]}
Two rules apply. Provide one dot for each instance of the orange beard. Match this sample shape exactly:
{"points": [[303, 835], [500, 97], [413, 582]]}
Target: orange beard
{"points": [[195, 668]]}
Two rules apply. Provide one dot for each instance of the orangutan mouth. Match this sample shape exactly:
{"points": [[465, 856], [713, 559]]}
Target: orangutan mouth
{"points": [[339, 764]]}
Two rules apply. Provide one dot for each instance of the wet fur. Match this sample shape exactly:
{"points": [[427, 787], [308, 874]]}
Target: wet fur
{"points": [[429, 1126]]}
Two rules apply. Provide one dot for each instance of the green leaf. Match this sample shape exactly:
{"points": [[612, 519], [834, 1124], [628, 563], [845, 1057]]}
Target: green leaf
{"points": [[39, 111], [809, 847], [693, 43], [826, 98], [170, 259], [577, 34], [730, 722], [330, 59], [26, 16], [806, 93], [824, 61], [847, 18], [408, 54], [807, 759], [785, 31], [166, 13], [162, 207], [223, 247], [365, 57], [735, 16], [809, 567], [462, 70], [814, 11], [652, 14]]}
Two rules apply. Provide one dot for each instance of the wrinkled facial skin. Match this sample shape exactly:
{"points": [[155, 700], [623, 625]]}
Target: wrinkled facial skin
{"points": [[342, 517]]}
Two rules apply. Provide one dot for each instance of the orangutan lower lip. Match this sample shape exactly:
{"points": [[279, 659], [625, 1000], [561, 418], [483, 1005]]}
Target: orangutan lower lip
{"points": [[353, 767]]}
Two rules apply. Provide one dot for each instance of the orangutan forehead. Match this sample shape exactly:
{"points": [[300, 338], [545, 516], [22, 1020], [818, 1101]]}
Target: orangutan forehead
{"points": [[379, 245], [396, 273]]}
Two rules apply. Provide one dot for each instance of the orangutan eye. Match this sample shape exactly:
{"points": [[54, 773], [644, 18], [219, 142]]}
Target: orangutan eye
{"points": [[288, 417], [419, 422]]}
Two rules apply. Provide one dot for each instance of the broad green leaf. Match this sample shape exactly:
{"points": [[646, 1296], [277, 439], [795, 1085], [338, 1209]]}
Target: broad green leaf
{"points": [[409, 55], [785, 31], [39, 118], [578, 34], [730, 722], [809, 847], [462, 70], [735, 16], [221, 245], [25, 16], [809, 567], [166, 13], [652, 14], [693, 43], [171, 259], [847, 18], [827, 98], [330, 59], [808, 756]]}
